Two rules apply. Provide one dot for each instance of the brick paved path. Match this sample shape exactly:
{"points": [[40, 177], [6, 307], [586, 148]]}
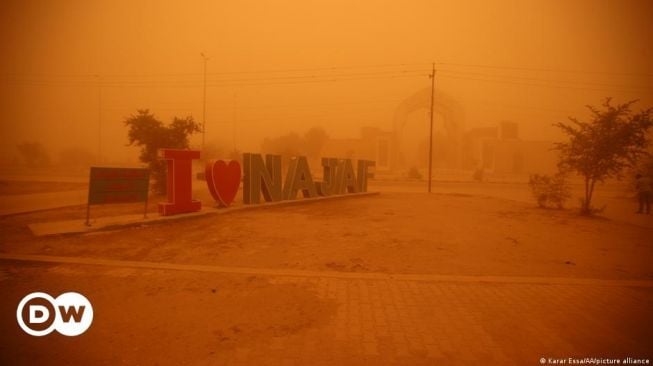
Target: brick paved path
{"points": [[408, 322], [399, 321]]}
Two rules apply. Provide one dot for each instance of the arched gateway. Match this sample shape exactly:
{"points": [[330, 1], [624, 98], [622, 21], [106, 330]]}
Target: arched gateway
{"points": [[449, 114]]}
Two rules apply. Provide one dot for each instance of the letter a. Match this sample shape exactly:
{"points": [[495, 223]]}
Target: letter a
{"points": [[299, 178]]}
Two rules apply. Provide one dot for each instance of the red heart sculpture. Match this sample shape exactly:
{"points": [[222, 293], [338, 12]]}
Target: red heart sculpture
{"points": [[223, 180]]}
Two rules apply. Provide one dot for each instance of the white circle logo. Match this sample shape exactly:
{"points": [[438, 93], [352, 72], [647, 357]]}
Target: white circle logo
{"points": [[70, 314]]}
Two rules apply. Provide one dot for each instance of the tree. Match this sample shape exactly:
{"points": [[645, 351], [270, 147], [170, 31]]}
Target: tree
{"points": [[613, 140], [151, 135], [34, 154], [287, 146], [292, 144], [314, 140]]}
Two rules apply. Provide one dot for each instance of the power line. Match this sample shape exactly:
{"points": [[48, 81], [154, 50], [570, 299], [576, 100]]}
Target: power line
{"points": [[262, 71], [290, 82], [272, 107], [317, 78], [551, 85], [227, 82], [314, 77], [332, 68], [579, 71], [336, 68], [44, 78], [548, 80]]}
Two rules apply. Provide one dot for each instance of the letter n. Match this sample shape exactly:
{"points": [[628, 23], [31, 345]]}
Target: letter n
{"points": [[259, 177]]}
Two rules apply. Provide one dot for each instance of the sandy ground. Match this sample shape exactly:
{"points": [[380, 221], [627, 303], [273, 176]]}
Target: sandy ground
{"points": [[394, 232], [9, 187], [175, 317]]}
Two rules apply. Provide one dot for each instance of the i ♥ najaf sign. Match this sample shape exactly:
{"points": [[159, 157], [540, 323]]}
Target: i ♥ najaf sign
{"points": [[259, 177]]}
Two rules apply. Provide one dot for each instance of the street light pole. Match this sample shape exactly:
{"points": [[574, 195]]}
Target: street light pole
{"points": [[99, 119], [204, 103], [431, 127]]}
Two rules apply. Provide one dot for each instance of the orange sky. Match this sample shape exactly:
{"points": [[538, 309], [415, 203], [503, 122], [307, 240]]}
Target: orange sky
{"points": [[533, 62]]}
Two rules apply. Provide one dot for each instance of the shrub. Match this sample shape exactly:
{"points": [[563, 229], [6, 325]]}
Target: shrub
{"points": [[413, 173], [550, 190]]}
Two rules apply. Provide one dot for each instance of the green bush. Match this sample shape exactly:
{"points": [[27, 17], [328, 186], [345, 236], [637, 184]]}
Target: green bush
{"points": [[151, 135]]}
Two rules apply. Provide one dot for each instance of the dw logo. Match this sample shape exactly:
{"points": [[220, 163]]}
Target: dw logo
{"points": [[70, 314]]}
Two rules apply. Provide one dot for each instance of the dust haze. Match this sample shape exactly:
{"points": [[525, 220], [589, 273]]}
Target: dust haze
{"points": [[297, 262], [72, 71]]}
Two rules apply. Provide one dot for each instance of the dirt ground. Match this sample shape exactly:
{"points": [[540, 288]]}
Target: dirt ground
{"points": [[393, 233], [175, 317], [10, 187]]}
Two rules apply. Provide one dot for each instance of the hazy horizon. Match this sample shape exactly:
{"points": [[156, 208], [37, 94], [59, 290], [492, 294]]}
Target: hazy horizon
{"points": [[277, 67]]}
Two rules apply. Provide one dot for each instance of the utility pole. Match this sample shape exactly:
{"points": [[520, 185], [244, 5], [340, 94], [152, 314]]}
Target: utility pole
{"points": [[234, 120], [99, 119], [432, 76], [204, 103]]}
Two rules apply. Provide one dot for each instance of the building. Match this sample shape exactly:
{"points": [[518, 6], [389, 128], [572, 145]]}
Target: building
{"points": [[500, 150], [373, 144]]}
